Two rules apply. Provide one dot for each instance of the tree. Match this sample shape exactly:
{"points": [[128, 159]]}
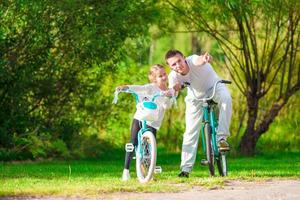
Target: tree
{"points": [[260, 41], [53, 57]]}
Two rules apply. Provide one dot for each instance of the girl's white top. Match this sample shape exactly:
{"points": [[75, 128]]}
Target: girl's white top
{"points": [[146, 92], [201, 78]]}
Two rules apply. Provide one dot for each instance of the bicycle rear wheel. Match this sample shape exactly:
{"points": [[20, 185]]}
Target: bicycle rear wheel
{"points": [[146, 157], [209, 150], [222, 164]]}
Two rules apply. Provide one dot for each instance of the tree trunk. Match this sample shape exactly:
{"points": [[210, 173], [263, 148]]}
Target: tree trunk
{"points": [[196, 48], [252, 134], [248, 142], [249, 139]]}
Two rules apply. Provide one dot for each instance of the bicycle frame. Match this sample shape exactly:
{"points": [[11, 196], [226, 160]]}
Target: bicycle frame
{"points": [[209, 116], [209, 133], [144, 122], [144, 135]]}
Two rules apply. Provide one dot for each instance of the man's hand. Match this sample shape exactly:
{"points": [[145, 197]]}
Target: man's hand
{"points": [[169, 93], [205, 58], [177, 87]]}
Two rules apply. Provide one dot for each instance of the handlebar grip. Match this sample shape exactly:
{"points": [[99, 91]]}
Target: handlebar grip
{"points": [[185, 84], [226, 81]]}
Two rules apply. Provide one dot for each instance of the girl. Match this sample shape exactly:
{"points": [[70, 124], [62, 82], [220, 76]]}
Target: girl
{"points": [[158, 83]]}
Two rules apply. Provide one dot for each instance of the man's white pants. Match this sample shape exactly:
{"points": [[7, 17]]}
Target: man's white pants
{"points": [[193, 120]]}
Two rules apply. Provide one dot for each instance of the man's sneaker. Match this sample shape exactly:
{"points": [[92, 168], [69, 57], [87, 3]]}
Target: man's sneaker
{"points": [[183, 174], [126, 175], [223, 145]]}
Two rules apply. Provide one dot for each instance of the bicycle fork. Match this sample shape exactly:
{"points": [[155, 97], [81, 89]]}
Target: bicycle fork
{"points": [[129, 147], [213, 125], [205, 121], [209, 119]]}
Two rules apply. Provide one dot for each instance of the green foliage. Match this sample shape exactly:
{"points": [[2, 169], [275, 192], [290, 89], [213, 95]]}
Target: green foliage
{"points": [[53, 60], [258, 40], [121, 115], [60, 63], [283, 135]]}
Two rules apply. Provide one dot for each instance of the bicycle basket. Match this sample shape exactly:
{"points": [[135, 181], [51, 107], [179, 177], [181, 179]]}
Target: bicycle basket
{"points": [[149, 110]]}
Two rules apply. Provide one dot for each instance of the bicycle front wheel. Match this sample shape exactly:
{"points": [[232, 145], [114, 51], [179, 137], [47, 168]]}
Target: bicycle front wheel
{"points": [[209, 150], [222, 164], [146, 157]]}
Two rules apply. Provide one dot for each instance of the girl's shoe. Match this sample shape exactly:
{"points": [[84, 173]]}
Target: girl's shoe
{"points": [[126, 175]]}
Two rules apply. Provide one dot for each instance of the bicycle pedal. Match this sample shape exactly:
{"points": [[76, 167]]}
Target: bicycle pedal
{"points": [[224, 150], [204, 162], [158, 170], [129, 147]]}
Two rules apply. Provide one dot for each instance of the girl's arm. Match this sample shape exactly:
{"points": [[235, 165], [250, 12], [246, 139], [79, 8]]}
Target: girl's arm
{"points": [[171, 93], [174, 82], [140, 89]]}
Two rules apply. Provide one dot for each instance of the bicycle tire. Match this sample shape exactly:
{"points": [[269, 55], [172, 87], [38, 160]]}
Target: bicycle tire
{"points": [[146, 160], [222, 164], [209, 150]]}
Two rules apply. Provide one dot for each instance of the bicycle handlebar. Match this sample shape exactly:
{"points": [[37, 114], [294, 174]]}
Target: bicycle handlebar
{"points": [[136, 95], [187, 84], [225, 81], [117, 91]]}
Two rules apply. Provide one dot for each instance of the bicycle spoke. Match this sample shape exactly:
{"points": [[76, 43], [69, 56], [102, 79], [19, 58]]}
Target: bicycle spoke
{"points": [[146, 159]]}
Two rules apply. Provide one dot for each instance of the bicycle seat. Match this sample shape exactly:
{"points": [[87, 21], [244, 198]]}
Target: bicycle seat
{"points": [[211, 102]]}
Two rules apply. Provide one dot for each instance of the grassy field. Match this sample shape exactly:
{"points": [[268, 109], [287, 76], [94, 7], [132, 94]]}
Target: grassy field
{"points": [[93, 177]]}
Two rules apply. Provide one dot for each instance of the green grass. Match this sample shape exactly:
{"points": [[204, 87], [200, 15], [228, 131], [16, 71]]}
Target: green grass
{"points": [[94, 177]]}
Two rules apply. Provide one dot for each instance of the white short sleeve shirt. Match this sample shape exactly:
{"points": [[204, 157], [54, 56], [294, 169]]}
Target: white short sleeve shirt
{"points": [[201, 78]]}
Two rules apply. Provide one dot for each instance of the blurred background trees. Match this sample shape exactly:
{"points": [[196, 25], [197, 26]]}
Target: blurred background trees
{"points": [[260, 43], [55, 59], [60, 63]]}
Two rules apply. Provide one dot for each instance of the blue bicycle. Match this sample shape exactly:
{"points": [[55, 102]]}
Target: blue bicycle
{"points": [[145, 151], [209, 133]]}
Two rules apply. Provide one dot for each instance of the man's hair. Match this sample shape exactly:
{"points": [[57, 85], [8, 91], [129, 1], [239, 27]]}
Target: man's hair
{"points": [[153, 69], [173, 52]]}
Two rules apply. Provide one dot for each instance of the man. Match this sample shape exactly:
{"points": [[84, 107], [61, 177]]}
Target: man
{"points": [[199, 73]]}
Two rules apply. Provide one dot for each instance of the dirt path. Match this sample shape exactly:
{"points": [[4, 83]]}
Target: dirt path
{"points": [[234, 190]]}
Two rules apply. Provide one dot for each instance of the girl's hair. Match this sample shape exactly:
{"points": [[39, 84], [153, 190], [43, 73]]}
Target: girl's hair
{"points": [[153, 69]]}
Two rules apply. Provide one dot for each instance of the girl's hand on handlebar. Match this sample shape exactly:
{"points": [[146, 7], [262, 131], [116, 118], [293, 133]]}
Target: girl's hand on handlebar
{"points": [[122, 88]]}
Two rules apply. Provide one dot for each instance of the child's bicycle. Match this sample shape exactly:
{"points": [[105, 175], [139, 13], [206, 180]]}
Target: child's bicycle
{"points": [[145, 151], [209, 127]]}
